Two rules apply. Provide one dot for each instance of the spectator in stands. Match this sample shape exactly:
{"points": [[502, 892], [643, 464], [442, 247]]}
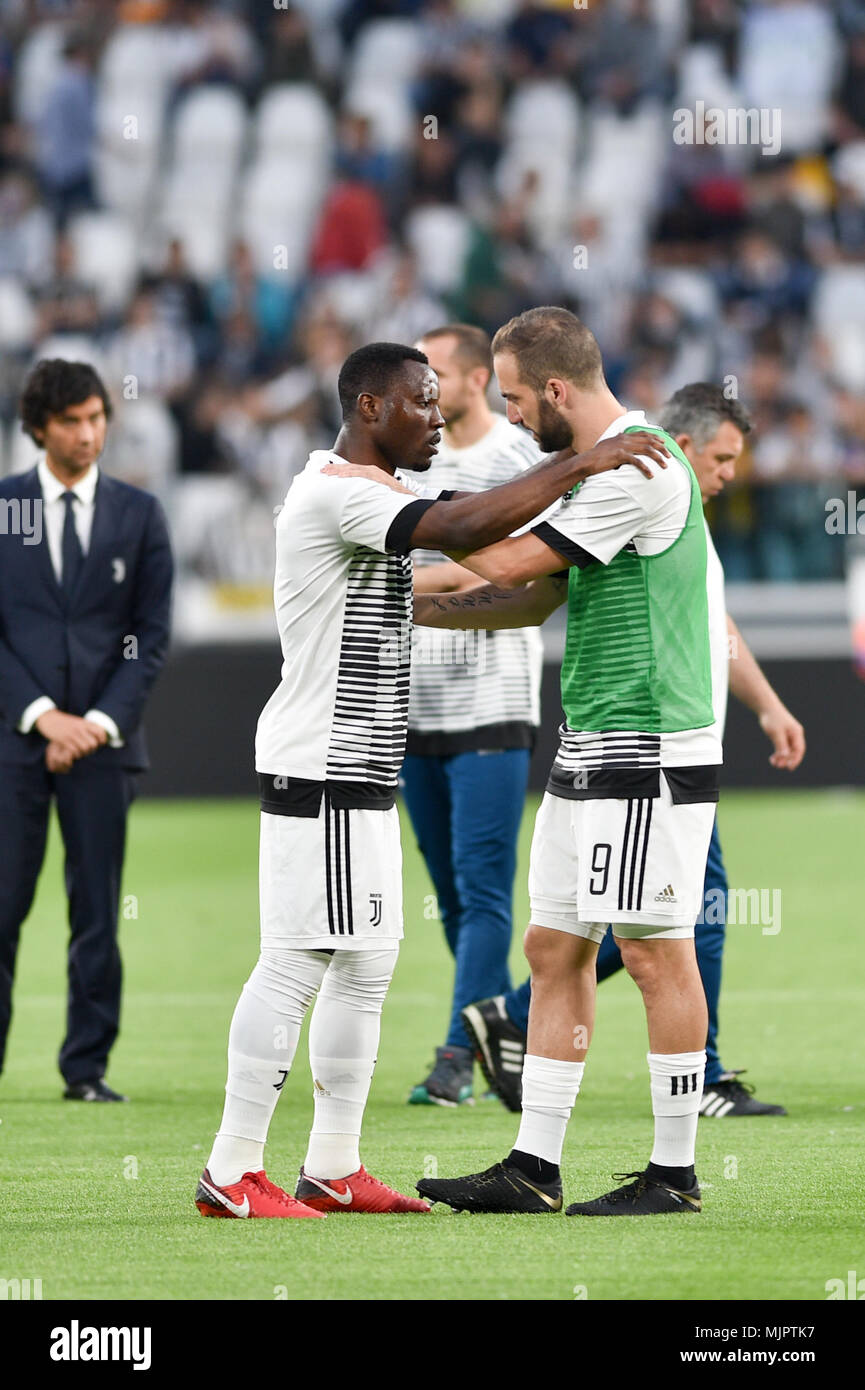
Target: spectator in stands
{"points": [[848, 410], [151, 357], [179, 299], [702, 198], [540, 40], [359, 159], [478, 142], [775, 206], [772, 233], [26, 231], [240, 353], [207, 446], [624, 65], [796, 466], [212, 45], [266, 303], [289, 54], [716, 22], [65, 131], [432, 177], [358, 12], [765, 283], [840, 234], [67, 304], [351, 230], [408, 311], [850, 101]]}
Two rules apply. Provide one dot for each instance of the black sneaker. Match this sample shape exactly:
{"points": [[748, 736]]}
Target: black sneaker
{"points": [[449, 1082], [644, 1196], [92, 1091], [500, 1048], [501, 1188], [727, 1096]]}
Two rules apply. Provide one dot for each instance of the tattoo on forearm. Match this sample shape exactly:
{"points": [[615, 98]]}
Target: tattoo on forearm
{"points": [[482, 599]]}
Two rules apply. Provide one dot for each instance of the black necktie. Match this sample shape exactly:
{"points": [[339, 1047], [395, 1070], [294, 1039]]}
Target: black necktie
{"points": [[73, 555]]}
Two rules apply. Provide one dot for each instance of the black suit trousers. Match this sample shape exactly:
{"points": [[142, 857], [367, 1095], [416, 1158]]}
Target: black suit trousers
{"points": [[92, 800]]}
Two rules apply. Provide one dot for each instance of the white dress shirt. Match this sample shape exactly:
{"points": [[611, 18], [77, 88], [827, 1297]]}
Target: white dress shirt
{"points": [[54, 518]]}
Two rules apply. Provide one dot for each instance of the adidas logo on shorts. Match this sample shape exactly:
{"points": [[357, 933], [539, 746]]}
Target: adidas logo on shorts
{"points": [[666, 895]]}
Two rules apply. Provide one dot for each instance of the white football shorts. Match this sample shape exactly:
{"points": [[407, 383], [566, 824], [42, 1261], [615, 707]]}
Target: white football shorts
{"points": [[639, 864], [335, 881]]}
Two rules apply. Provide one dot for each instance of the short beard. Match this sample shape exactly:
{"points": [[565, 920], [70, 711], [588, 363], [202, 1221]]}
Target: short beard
{"points": [[454, 417], [554, 432]]}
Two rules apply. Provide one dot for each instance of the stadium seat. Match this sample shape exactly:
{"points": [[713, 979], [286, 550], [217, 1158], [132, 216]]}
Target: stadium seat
{"points": [[788, 60], [839, 312], [278, 206], [389, 111], [198, 190], [848, 166], [21, 452], [702, 77], [37, 64], [672, 18], [439, 238], [125, 185], [106, 255], [549, 214], [626, 152], [143, 446], [126, 159], [691, 290], [203, 227], [197, 502], [293, 118], [17, 316], [387, 51], [537, 110], [209, 126], [137, 63]]}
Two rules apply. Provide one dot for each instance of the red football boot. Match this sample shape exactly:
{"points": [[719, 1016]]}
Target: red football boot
{"points": [[254, 1195], [360, 1191]]}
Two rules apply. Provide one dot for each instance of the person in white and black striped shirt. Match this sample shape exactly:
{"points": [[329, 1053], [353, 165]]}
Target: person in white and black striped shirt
{"points": [[473, 717], [328, 748]]}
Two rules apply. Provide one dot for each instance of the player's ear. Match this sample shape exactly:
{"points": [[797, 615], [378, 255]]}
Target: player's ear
{"points": [[556, 391], [367, 407], [480, 378]]}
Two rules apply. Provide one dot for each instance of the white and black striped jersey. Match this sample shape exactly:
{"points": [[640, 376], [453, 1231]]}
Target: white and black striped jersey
{"points": [[478, 689], [343, 598]]}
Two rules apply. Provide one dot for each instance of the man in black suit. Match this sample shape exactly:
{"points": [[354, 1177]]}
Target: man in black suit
{"points": [[85, 593]]}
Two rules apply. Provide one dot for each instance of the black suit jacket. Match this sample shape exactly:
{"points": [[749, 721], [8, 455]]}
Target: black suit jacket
{"points": [[100, 647]]}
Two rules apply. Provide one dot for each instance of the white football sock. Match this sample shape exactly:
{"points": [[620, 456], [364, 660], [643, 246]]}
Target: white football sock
{"points": [[677, 1088], [549, 1091], [261, 1045], [343, 1045]]}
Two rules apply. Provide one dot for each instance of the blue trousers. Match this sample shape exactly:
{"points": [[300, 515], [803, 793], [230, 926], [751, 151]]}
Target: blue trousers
{"points": [[709, 943], [466, 811]]}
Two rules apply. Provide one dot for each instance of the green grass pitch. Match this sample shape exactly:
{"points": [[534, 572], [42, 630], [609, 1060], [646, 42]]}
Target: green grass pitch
{"points": [[96, 1201]]}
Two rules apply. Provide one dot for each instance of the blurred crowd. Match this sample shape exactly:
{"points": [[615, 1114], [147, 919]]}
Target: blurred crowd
{"points": [[215, 201]]}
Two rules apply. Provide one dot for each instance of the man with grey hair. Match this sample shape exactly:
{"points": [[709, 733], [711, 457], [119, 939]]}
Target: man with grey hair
{"points": [[710, 428]]}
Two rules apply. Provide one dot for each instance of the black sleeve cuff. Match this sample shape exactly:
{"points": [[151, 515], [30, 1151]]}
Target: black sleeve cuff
{"points": [[446, 494], [572, 552], [398, 538]]}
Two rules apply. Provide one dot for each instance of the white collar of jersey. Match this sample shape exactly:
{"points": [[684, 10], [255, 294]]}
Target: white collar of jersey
{"points": [[319, 458], [623, 422]]}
